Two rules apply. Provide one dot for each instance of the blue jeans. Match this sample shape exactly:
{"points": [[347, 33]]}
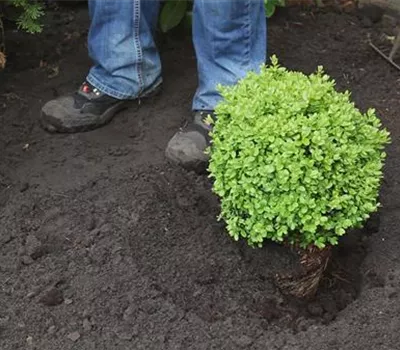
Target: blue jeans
{"points": [[229, 38]]}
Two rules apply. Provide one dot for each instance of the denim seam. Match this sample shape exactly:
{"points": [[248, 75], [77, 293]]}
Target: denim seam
{"points": [[138, 46], [248, 29]]}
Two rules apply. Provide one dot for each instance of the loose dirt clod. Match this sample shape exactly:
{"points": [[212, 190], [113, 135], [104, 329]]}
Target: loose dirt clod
{"points": [[74, 336], [52, 297], [34, 247], [87, 325]]}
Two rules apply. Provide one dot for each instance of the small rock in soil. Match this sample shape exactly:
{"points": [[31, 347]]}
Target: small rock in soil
{"points": [[51, 330], [333, 344], [126, 333], [117, 259], [129, 313], [52, 297], [68, 301], [74, 336], [27, 260], [243, 341], [116, 249], [87, 325], [29, 341], [315, 309], [34, 248], [30, 295], [32, 244]]}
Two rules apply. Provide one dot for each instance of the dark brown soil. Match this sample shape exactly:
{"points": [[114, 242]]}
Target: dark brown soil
{"points": [[103, 245]]}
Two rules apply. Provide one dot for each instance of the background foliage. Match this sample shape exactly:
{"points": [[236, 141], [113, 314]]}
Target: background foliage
{"points": [[29, 14], [174, 12]]}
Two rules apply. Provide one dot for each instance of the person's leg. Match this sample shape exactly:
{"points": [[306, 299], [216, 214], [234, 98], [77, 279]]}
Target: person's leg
{"points": [[121, 45], [230, 40], [126, 66]]}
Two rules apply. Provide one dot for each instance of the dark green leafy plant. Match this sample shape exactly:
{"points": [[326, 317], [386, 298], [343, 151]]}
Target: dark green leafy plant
{"points": [[174, 12], [271, 5], [293, 160], [28, 19], [31, 12]]}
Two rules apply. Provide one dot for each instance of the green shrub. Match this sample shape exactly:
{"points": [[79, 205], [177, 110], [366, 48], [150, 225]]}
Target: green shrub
{"points": [[294, 160]]}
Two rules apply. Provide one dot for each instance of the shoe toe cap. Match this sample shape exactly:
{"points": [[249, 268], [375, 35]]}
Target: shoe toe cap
{"points": [[187, 149], [58, 115]]}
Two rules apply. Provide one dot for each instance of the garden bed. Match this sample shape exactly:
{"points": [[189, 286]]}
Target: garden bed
{"points": [[103, 245]]}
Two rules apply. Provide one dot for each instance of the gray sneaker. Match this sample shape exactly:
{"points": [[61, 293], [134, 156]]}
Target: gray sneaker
{"points": [[86, 109], [187, 147]]}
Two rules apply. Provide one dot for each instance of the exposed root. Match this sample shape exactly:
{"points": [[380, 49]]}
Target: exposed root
{"points": [[2, 60], [340, 278], [313, 262]]}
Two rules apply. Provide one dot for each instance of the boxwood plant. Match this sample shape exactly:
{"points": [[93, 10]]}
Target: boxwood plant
{"points": [[293, 160]]}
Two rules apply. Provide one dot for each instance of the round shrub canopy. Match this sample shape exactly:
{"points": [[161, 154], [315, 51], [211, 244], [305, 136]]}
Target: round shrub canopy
{"points": [[294, 160]]}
